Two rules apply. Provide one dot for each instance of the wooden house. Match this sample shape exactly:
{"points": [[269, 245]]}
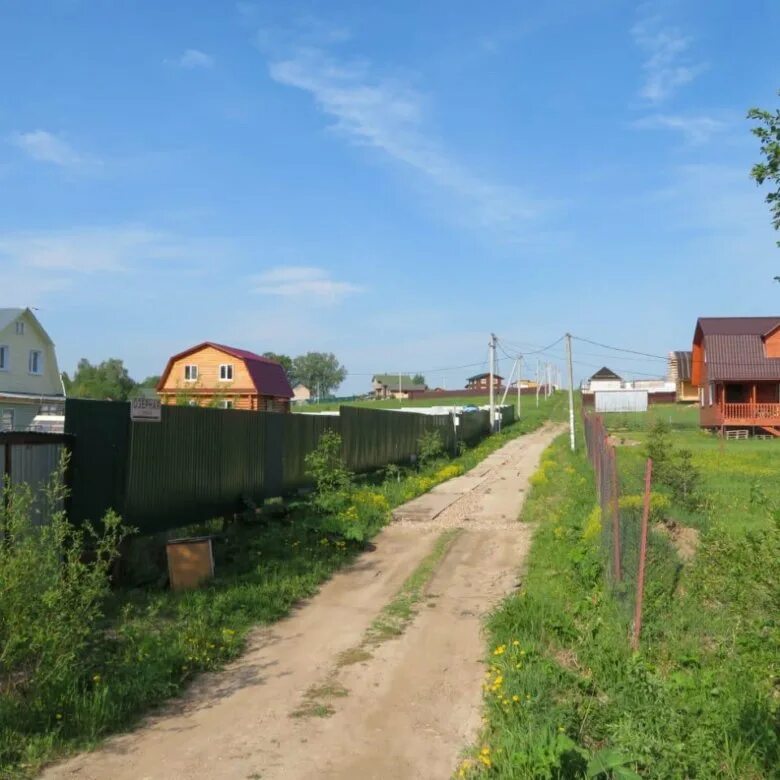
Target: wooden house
{"points": [[736, 367], [482, 382], [210, 374], [395, 386], [680, 373]]}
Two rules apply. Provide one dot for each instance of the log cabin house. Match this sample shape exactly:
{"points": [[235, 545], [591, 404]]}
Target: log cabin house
{"points": [[210, 374], [736, 367], [482, 382]]}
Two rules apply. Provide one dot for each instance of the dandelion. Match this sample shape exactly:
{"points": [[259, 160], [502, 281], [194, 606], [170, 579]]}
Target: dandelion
{"points": [[96, 678], [515, 698], [516, 643], [500, 650], [59, 716]]}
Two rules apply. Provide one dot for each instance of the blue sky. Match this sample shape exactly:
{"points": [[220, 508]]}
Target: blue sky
{"points": [[390, 182]]}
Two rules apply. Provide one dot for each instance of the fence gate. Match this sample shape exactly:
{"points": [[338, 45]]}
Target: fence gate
{"points": [[31, 458]]}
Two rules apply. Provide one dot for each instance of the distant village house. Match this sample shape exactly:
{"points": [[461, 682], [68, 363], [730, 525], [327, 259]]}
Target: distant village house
{"points": [[400, 386], [482, 382], [680, 373], [30, 380], [210, 374], [301, 393]]}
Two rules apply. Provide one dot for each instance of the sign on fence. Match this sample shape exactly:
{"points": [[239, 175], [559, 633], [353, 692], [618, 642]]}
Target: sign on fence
{"points": [[145, 410]]}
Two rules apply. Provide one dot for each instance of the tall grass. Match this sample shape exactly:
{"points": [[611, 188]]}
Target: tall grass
{"points": [[564, 695]]}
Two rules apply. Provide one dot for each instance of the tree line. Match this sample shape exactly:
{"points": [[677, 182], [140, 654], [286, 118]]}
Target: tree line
{"points": [[321, 372]]}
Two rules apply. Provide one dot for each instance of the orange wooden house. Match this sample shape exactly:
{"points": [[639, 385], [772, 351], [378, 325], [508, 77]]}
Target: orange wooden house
{"points": [[210, 374], [736, 366]]}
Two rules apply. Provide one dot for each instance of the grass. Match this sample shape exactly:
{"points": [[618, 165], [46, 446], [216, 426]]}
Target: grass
{"points": [[154, 642], [564, 695], [390, 403]]}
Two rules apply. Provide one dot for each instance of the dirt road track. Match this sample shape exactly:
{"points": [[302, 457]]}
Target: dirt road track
{"points": [[410, 708]]}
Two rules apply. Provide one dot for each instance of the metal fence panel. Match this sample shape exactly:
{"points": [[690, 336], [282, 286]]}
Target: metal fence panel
{"points": [[621, 401]]}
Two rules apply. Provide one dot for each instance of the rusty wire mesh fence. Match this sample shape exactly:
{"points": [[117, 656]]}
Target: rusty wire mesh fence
{"points": [[624, 502]]}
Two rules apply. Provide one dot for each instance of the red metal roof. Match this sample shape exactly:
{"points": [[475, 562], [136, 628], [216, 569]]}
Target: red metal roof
{"points": [[268, 376], [734, 348]]}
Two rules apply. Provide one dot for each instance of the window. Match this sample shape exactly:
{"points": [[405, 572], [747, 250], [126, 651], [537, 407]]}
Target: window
{"points": [[35, 362], [19, 328], [4, 358], [190, 373], [226, 372], [225, 404]]}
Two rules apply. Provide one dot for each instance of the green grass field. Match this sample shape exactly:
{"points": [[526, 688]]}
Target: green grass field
{"points": [[526, 401], [565, 697]]}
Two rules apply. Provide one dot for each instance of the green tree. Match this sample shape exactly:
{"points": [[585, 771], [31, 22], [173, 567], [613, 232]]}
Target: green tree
{"points": [[108, 380], [418, 379], [286, 362], [321, 372], [768, 133]]}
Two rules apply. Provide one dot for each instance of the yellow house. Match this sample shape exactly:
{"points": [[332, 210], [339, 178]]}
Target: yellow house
{"points": [[30, 381], [211, 374]]}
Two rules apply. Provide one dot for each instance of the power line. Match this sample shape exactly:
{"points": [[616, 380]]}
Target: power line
{"points": [[621, 349]]}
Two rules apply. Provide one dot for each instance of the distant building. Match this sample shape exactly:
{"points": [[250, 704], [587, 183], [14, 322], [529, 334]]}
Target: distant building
{"points": [[301, 393], [210, 374], [608, 392], [735, 365], [30, 380], [395, 386], [680, 373], [482, 382]]}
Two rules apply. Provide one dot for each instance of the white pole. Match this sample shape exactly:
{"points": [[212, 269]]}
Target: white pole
{"points": [[399, 386], [492, 355], [571, 392], [509, 383], [538, 380], [519, 381]]}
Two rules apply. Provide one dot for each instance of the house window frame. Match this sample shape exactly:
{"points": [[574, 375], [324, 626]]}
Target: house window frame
{"points": [[225, 372], [39, 362], [188, 369], [19, 327], [226, 403], [7, 413], [5, 354]]}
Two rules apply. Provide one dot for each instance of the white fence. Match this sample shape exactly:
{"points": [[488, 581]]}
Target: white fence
{"points": [[621, 401]]}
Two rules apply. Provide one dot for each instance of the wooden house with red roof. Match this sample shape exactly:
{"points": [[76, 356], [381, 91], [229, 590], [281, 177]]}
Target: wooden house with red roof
{"points": [[736, 366], [210, 374]]}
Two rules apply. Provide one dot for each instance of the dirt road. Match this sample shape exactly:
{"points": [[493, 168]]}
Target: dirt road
{"points": [[403, 710]]}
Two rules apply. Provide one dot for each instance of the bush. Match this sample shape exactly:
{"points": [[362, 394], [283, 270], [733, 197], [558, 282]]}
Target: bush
{"points": [[430, 447], [54, 580]]}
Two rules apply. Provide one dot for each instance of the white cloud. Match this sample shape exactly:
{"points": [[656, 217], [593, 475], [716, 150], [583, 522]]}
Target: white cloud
{"points": [[302, 281], [43, 146], [88, 250], [194, 58], [668, 64], [696, 129], [387, 114]]}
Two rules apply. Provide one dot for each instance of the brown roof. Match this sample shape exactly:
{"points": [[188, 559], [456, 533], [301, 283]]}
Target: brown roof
{"points": [[734, 348]]}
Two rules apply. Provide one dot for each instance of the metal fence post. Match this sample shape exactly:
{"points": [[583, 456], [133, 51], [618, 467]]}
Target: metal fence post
{"points": [[640, 583]]}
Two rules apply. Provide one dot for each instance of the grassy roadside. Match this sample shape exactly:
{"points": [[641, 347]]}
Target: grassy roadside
{"points": [[391, 403], [153, 642], [564, 695]]}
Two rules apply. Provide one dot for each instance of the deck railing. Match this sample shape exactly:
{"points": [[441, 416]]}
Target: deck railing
{"points": [[750, 411]]}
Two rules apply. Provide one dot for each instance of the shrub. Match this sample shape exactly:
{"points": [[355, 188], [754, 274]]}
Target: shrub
{"points": [[430, 447], [54, 579]]}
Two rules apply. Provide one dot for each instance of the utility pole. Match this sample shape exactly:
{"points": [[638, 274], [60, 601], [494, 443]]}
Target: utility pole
{"points": [[538, 380], [399, 388], [571, 391], [492, 355]]}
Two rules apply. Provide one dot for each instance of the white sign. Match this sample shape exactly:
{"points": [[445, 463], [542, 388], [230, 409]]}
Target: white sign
{"points": [[145, 410]]}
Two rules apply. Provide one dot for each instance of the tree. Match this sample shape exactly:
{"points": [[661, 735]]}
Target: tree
{"points": [[108, 380], [768, 133], [321, 372], [418, 379], [286, 362]]}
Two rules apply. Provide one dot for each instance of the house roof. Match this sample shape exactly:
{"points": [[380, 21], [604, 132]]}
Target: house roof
{"points": [[683, 359], [480, 376], [7, 316], [734, 348], [268, 376], [607, 374]]}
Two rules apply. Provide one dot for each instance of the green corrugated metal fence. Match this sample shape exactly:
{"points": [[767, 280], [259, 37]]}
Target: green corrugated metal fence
{"points": [[201, 463]]}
